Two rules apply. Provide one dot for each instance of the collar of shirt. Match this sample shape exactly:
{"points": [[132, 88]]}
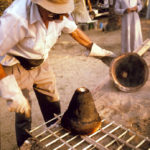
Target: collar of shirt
{"points": [[34, 14]]}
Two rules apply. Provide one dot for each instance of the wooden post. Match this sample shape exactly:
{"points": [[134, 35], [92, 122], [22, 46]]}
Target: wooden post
{"points": [[143, 48], [90, 5]]}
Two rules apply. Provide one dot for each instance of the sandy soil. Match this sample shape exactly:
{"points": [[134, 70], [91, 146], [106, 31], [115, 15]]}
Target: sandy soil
{"points": [[74, 69]]}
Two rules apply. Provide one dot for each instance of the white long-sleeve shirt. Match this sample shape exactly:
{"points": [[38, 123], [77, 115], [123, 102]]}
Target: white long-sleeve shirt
{"points": [[23, 33], [131, 25]]}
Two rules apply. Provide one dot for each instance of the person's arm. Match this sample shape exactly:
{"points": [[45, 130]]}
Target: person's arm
{"points": [[10, 91], [136, 8], [139, 6], [94, 49], [128, 10], [82, 38], [133, 9], [118, 10], [11, 32]]}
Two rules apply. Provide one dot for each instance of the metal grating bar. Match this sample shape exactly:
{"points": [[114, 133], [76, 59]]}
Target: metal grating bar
{"points": [[59, 138], [109, 136], [109, 144], [38, 127], [147, 139], [122, 141], [140, 143], [104, 135], [92, 134], [97, 145], [132, 137], [49, 135], [66, 142]]}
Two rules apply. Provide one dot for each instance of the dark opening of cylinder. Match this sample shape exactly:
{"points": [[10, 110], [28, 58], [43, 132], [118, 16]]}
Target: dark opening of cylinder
{"points": [[131, 71]]}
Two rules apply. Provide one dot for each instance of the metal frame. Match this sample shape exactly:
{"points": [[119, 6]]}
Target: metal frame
{"points": [[111, 136]]}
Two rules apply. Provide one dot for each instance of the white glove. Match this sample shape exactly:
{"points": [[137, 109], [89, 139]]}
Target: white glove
{"points": [[99, 52], [10, 90]]}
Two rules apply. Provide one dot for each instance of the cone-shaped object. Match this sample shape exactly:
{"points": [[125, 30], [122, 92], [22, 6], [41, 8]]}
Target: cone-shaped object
{"points": [[129, 72], [81, 116]]}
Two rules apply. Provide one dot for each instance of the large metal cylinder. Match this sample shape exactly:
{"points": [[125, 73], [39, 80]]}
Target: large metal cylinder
{"points": [[129, 72]]}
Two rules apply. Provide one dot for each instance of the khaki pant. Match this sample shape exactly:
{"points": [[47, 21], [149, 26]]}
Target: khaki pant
{"points": [[41, 77], [42, 80]]}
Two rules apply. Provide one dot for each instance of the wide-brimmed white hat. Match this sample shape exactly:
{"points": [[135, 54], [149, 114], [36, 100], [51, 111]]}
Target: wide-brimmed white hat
{"points": [[56, 6]]}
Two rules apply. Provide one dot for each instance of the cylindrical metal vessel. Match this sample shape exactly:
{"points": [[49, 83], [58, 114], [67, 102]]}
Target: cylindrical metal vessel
{"points": [[129, 72]]}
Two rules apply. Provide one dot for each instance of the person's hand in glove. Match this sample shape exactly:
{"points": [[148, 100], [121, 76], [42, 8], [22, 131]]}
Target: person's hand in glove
{"points": [[97, 51], [10, 90]]}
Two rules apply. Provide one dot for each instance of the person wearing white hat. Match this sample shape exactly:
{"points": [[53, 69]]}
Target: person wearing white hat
{"points": [[28, 31]]}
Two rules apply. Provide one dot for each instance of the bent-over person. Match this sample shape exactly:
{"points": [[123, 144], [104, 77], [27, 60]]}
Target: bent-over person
{"points": [[28, 31]]}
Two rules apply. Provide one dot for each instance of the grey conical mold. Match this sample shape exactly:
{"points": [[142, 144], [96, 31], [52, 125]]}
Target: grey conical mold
{"points": [[81, 117]]}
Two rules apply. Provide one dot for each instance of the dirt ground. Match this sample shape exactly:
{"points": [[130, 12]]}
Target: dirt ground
{"points": [[74, 69]]}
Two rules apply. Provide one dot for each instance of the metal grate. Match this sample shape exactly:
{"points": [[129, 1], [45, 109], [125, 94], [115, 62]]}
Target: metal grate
{"points": [[110, 137]]}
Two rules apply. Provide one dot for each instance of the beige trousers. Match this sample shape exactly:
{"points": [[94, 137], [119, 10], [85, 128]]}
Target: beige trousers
{"points": [[41, 77]]}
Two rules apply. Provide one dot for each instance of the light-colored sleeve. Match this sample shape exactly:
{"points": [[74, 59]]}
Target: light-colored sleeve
{"points": [[11, 32], [69, 25], [118, 10], [139, 5]]}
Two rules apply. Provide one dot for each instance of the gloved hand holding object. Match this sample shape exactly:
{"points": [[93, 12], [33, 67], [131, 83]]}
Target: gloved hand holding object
{"points": [[10, 90], [99, 52]]}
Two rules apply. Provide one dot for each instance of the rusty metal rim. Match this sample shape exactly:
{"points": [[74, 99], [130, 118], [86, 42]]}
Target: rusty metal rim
{"points": [[115, 80]]}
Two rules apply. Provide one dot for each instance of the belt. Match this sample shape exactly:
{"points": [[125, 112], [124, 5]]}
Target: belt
{"points": [[29, 64]]}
